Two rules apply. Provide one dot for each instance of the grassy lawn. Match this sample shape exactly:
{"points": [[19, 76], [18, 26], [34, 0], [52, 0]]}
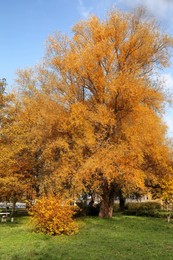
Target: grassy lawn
{"points": [[123, 237]]}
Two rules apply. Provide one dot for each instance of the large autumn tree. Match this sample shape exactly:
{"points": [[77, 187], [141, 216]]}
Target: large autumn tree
{"points": [[93, 109]]}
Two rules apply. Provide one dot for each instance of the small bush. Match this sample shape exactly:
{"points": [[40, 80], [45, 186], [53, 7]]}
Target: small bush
{"points": [[150, 209], [52, 216]]}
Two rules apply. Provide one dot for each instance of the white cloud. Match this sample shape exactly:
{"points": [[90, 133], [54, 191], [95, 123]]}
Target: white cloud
{"points": [[169, 122], [167, 79], [83, 10], [162, 9]]}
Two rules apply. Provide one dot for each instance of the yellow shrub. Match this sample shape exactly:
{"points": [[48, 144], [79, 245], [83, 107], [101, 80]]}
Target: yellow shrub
{"points": [[52, 216]]}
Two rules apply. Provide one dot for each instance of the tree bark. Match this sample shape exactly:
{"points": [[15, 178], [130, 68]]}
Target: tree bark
{"points": [[122, 201], [13, 209], [107, 202]]}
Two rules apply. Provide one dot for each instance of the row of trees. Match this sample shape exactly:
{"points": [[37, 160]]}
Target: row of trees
{"points": [[88, 119]]}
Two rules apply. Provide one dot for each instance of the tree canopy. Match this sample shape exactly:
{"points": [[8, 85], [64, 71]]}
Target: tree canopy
{"points": [[89, 117]]}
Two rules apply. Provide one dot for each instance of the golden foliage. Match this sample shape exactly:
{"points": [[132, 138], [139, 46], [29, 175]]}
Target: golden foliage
{"points": [[89, 117], [54, 216]]}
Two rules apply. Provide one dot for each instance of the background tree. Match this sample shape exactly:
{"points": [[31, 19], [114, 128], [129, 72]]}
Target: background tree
{"points": [[15, 167]]}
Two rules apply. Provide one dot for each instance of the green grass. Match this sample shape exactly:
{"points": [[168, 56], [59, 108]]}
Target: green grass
{"points": [[123, 237]]}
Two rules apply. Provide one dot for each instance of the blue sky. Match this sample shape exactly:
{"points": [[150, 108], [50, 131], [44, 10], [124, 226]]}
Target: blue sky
{"points": [[26, 24]]}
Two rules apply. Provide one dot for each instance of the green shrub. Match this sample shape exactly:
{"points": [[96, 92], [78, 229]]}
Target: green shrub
{"points": [[53, 216], [116, 207], [150, 209]]}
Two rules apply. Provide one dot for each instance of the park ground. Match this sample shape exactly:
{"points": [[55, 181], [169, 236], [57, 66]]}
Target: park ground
{"points": [[122, 237]]}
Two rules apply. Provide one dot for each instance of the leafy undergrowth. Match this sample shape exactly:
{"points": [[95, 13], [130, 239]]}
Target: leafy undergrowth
{"points": [[123, 237], [54, 216]]}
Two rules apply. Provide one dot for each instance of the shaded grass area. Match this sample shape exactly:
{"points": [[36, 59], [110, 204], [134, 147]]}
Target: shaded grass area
{"points": [[123, 237]]}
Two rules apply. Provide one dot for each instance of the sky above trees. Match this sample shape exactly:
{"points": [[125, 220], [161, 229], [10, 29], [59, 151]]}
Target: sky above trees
{"points": [[25, 26]]}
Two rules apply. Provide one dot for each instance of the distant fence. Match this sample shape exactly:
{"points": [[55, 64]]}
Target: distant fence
{"points": [[19, 205]]}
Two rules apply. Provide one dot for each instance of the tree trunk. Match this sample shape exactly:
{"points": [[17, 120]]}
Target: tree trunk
{"points": [[107, 202], [122, 201], [169, 217], [6, 206], [91, 203], [13, 209]]}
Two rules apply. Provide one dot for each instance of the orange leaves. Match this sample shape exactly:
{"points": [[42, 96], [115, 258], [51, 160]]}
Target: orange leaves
{"points": [[79, 125], [89, 115], [166, 183], [123, 44], [12, 188], [54, 216]]}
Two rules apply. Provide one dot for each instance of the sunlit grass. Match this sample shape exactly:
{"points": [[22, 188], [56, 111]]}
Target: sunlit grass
{"points": [[122, 237]]}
